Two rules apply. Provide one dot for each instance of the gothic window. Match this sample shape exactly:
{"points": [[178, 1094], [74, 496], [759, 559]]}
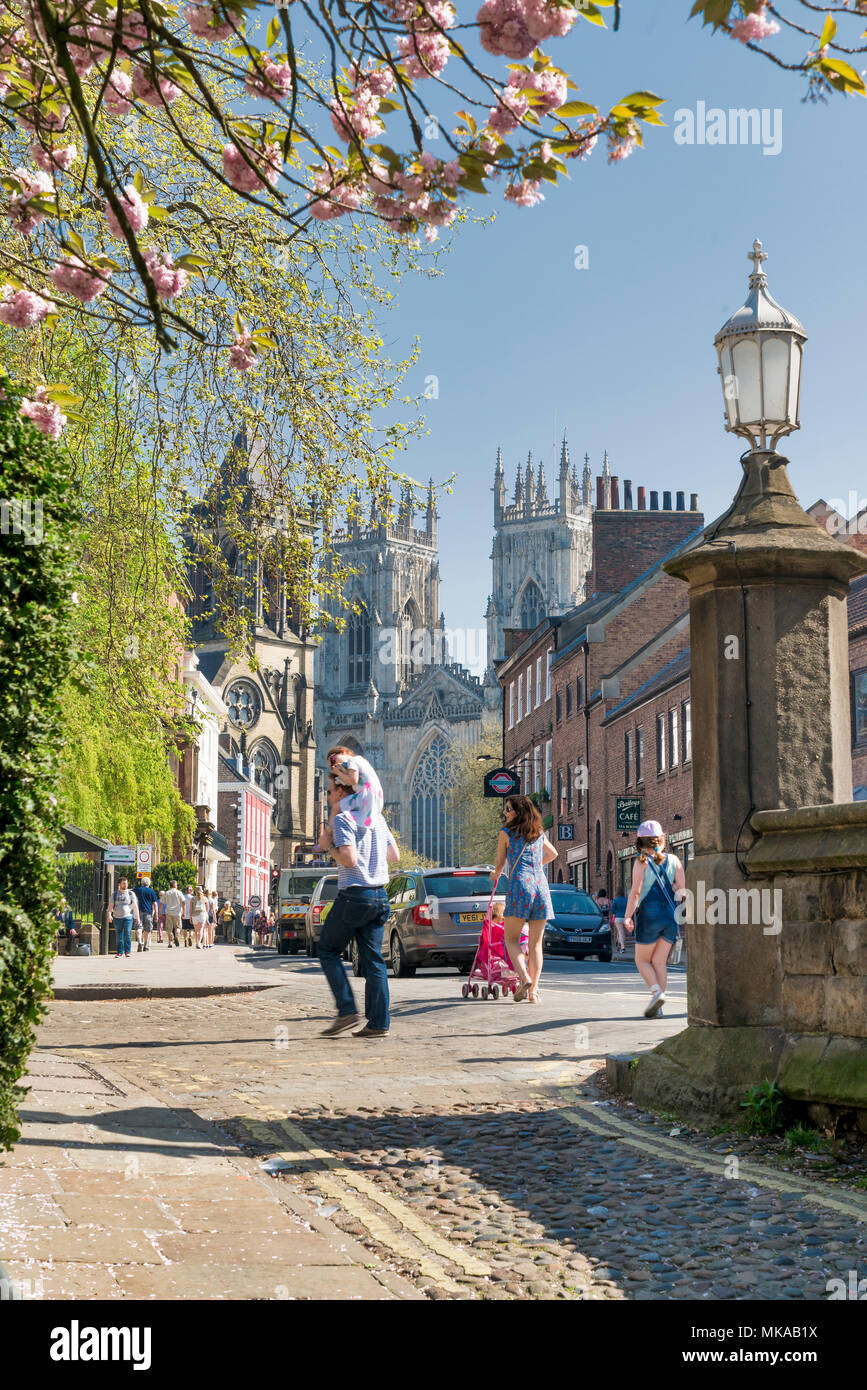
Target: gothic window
{"points": [[244, 704], [358, 645], [434, 831], [531, 606], [263, 770], [410, 636]]}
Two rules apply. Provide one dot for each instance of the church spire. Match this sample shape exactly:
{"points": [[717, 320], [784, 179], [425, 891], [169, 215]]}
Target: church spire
{"points": [[431, 516], [519, 488], [586, 482], [499, 489], [564, 457], [542, 499], [530, 486]]}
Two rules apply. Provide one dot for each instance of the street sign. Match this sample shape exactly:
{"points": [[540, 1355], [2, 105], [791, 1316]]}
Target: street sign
{"points": [[254, 901], [565, 832], [502, 782], [144, 859], [627, 815], [119, 854]]}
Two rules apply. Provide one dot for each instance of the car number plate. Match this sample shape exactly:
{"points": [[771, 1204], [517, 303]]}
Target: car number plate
{"points": [[470, 916], [581, 938]]}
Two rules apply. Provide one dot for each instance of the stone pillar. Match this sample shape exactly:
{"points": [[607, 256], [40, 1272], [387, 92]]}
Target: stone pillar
{"points": [[770, 732]]}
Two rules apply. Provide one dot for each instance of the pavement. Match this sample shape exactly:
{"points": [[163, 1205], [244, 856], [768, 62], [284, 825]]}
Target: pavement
{"points": [[473, 1153], [175, 971]]}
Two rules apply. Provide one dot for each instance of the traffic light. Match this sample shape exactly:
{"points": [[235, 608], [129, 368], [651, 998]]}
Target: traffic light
{"points": [[275, 883]]}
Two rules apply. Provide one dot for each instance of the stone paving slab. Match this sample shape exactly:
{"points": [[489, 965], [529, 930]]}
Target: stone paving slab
{"points": [[162, 972]]}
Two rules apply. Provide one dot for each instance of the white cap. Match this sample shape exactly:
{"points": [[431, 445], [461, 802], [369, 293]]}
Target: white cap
{"points": [[648, 828]]}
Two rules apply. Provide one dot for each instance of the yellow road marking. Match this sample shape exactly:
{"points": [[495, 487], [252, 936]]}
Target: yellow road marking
{"points": [[614, 1127], [392, 1240], [399, 1210]]}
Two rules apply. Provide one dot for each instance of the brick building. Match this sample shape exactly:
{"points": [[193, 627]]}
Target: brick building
{"points": [[244, 818], [609, 680]]}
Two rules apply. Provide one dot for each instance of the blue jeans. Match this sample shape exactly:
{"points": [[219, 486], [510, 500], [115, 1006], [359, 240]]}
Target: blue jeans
{"points": [[123, 935], [359, 914]]}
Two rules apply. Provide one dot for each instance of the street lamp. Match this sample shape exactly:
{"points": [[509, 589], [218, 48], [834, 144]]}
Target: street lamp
{"points": [[760, 349]]}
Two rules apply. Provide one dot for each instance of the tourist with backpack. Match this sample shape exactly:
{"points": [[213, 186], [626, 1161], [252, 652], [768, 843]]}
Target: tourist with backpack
{"points": [[652, 910], [124, 912]]}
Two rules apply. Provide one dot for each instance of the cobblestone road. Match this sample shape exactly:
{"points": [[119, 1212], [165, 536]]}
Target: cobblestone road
{"points": [[475, 1149]]}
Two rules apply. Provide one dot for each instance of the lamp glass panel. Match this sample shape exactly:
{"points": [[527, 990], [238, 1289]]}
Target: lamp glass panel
{"points": [[795, 382], [730, 386], [745, 361], [775, 378]]}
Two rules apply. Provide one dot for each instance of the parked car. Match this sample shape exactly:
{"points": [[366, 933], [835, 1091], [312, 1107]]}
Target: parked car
{"points": [[320, 905], [436, 917], [578, 928], [295, 889]]}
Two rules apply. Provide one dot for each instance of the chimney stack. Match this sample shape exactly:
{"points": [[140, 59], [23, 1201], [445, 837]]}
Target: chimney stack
{"points": [[654, 501], [693, 501], [642, 500], [666, 501], [681, 502], [600, 495], [615, 494], [627, 494]]}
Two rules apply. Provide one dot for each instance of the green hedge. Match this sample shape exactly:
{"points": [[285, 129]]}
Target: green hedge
{"points": [[36, 585], [183, 870]]}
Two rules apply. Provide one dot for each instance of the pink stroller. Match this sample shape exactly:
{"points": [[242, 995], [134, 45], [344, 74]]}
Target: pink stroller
{"points": [[491, 964]]}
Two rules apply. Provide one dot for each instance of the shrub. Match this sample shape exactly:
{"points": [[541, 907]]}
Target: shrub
{"points": [[183, 870], [36, 583], [762, 1105]]}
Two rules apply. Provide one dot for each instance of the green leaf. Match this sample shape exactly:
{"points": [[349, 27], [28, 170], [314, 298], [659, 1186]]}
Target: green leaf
{"points": [[238, 324], [715, 12], [263, 340], [852, 80], [158, 214], [575, 108], [191, 261], [829, 29], [138, 180], [74, 240], [591, 13], [274, 28], [641, 99]]}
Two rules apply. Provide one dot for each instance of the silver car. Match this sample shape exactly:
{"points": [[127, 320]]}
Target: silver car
{"points": [[436, 917]]}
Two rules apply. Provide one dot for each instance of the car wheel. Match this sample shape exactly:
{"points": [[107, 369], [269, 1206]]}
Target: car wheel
{"points": [[401, 969], [578, 955], [604, 956], [312, 949], [355, 958], [282, 948]]}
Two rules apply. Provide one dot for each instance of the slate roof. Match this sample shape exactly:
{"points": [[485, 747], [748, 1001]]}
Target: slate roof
{"points": [[675, 670]]}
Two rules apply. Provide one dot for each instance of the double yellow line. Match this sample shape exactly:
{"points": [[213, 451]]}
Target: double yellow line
{"points": [[360, 1197]]}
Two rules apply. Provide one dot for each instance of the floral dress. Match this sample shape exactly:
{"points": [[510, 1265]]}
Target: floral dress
{"points": [[528, 895]]}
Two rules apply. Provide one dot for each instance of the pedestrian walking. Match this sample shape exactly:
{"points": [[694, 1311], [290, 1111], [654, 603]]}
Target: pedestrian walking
{"points": [[618, 913], [227, 918], [526, 848], [124, 912], [148, 901], [174, 909], [187, 920], [603, 902], [359, 912], [213, 907], [199, 915], [248, 923], [161, 915], [651, 910]]}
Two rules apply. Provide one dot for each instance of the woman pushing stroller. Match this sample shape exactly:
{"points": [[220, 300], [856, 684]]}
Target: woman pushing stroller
{"points": [[525, 847]]}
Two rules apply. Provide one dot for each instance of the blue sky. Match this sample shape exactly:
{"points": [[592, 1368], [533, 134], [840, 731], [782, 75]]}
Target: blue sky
{"points": [[621, 355]]}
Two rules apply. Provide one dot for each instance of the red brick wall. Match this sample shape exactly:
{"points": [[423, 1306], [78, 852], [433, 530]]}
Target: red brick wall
{"points": [[535, 727], [625, 544]]}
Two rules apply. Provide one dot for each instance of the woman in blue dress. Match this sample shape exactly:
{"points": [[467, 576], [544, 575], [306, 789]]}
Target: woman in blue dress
{"points": [[524, 849], [657, 878]]}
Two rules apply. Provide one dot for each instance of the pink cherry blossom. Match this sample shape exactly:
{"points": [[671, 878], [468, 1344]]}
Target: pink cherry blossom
{"points": [[22, 308], [117, 92], [754, 27], [237, 171], [169, 280], [206, 24], [620, 147], [22, 214], [525, 194], [160, 94], [381, 81], [359, 119], [134, 207], [53, 157], [275, 80], [44, 413], [512, 109], [75, 278], [242, 354], [546, 20], [503, 28], [545, 152], [424, 55], [82, 59], [452, 172], [549, 83], [342, 197]]}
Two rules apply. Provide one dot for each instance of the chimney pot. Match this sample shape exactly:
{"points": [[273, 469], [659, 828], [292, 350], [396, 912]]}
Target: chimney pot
{"points": [[666, 501], [681, 502], [693, 501], [600, 495], [627, 494], [615, 494], [642, 500], [654, 501]]}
